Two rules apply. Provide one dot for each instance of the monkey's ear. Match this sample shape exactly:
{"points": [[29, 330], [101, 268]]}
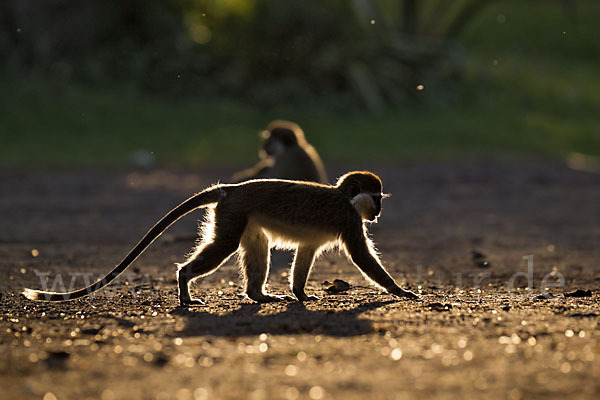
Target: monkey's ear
{"points": [[264, 134]]}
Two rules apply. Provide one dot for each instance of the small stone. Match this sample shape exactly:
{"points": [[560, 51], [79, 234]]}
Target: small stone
{"points": [[160, 360], [477, 255], [480, 260], [545, 296], [91, 330], [57, 359], [337, 286], [579, 293]]}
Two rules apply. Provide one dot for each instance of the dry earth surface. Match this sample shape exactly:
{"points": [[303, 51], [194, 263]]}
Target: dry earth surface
{"points": [[470, 335]]}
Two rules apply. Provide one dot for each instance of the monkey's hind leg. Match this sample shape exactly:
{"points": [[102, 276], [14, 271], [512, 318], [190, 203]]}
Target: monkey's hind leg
{"points": [[206, 259], [254, 261], [303, 262], [202, 263]]}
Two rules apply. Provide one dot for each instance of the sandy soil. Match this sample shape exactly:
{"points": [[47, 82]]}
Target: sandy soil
{"points": [[477, 331]]}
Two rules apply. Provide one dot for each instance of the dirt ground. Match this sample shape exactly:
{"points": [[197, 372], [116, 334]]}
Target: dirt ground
{"points": [[478, 330]]}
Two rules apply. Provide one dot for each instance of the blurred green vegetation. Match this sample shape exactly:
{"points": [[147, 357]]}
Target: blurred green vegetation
{"points": [[528, 85]]}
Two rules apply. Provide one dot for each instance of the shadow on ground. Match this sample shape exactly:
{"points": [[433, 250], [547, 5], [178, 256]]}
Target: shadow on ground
{"points": [[295, 319]]}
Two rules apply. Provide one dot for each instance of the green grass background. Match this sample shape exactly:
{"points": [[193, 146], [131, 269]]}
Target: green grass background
{"points": [[533, 90]]}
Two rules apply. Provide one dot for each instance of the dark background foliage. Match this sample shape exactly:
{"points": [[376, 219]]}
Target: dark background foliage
{"points": [[92, 81]]}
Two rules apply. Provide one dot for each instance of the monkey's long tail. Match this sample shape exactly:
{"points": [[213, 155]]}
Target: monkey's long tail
{"points": [[201, 199]]}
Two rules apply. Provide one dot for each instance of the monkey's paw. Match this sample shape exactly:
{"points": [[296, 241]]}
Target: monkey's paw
{"points": [[301, 296], [308, 298], [403, 293], [191, 302]]}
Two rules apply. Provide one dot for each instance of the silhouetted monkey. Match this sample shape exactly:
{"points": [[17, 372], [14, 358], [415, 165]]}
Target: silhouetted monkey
{"points": [[285, 154]]}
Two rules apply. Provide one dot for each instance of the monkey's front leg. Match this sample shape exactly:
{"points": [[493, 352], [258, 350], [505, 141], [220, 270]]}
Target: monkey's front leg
{"points": [[303, 262], [359, 250]]}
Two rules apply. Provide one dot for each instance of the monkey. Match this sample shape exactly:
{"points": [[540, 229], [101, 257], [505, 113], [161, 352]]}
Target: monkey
{"points": [[254, 216], [285, 154]]}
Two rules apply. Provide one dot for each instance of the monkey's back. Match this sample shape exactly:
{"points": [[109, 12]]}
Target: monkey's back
{"points": [[296, 204]]}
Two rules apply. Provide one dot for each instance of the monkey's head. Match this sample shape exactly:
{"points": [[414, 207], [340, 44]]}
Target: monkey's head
{"points": [[365, 191], [279, 136]]}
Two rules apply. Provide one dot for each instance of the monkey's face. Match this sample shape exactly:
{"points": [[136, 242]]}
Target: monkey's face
{"points": [[368, 205], [377, 204], [272, 147], [276, 140], [365, 192]]}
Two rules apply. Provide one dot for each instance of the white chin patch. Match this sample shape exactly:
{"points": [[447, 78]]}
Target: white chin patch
{"points": [[364, 205]]}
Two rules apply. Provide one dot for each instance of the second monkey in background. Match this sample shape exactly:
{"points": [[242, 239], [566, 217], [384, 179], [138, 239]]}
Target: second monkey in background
{"points": [[285, 154]]}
